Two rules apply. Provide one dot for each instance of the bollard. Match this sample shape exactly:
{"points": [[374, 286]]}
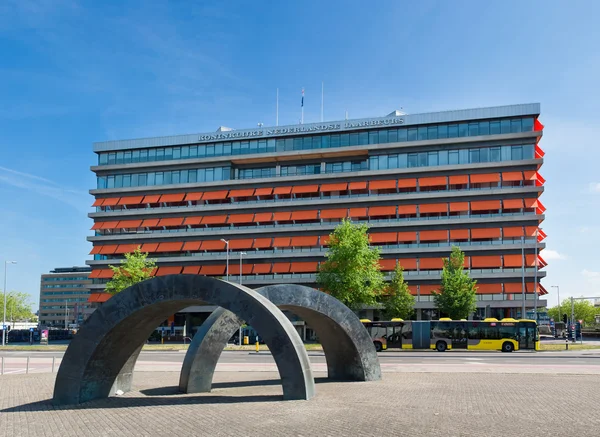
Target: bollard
{"points": [[27, 367], [567, 344], [257, 346], [53, 359]]}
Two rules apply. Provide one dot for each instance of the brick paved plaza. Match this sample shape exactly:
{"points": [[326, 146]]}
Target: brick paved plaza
{"points": [[249, 404]]}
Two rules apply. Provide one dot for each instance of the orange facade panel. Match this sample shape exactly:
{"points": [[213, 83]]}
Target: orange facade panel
{"points": [[169, 270], [485, 205], [149, 247], [357, 212], [150, 223], [428, 289], [281, 242], [174, 246], [240, 218], [131, 200], [303, 189], [407, 237], [407, 209], [108, 249], [357, 186], [530, 231], [459, 206], [173, 197], [513, 287], [433, 208], [282, 190], [111, 201], [384, 237], [408, 263], [130, 224], [512, 203], [215, 195], [512, 176], [281, 267], [282, 216], [305, 215], [95, 250], [234, 269], [485, 233], [241, 244], [212, 270], [492, 261], [192, 246], [262, 243], [311, 241], [488, 288], [189, 197], [266, 191], [407, 183], [212, 245], [98, 202], [334, 213], [191, 270], [304, 267], [263, 217], [485, 178], [327, 188], [214, 220], [459, 179], [261, 269], [387, 265], [433, 181], [152, 198], [127, 248], [513, 261], [379, 211], [382, 185], [172, 221], [105, 274], [431, 264], [245, 192], [97, 225], [433, 235], [459, 234], [110, 225], [192, 220]]}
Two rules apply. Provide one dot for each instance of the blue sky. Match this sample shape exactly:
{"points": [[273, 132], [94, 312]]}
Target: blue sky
{"points": [[74, 72]]}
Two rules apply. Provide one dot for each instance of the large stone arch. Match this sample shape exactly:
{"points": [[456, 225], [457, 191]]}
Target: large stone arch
{"points": [[102, 355], [348, 348]]}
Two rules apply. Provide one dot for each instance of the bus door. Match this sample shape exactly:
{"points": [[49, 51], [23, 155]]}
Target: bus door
{"points": [[459, 336], [527, 335]]}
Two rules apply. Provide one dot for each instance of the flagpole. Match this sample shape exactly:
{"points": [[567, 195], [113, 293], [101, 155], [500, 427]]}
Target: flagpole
{"points": [[322, 98], [277, 109]]}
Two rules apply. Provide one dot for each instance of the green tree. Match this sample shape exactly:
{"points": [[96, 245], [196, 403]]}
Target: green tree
{"points": [[18, 306], [397, 300], [136, 267], [351, 273], [584, 310], [456, 296]]}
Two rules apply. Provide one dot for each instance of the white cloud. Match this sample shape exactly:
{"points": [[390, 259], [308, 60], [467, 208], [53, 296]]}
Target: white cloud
{"points": [[590, 274], [549, 254], [595, 187]]}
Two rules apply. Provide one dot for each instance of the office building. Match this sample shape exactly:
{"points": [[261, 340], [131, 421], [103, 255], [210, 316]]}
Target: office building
{"points": [[64, 294]]}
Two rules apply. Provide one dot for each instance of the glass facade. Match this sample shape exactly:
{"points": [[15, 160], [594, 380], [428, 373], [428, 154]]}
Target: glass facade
{"points": [[210, 174], [307, 142]]}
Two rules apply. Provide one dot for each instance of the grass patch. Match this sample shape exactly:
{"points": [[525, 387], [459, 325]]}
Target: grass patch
{"points": [[572, 346]]}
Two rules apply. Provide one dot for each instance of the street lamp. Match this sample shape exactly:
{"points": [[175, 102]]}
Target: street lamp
{"points": [[558, 294], [227, 258], [6, 263], [241, 253]]}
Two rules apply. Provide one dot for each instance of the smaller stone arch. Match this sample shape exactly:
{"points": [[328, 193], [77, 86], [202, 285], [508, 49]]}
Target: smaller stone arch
{"points": [[348, 348]]}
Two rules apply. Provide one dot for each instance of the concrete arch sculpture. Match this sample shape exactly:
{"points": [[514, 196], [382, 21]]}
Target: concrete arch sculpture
{"points": [[101, 357], [348, 348]]}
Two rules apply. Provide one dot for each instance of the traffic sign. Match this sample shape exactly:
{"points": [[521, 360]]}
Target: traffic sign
{"points": [[30, 329], [580, 322]]}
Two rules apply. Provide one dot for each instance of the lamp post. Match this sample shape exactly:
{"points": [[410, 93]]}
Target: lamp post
{"points": [[535, 280], [6, 263], [523, 315], [241, 253], [227, 258], [559, 312]]}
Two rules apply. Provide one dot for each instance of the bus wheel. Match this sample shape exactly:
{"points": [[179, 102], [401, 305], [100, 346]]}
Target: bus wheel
{"points": [[378, 346], [507, 346], [440, 346]]}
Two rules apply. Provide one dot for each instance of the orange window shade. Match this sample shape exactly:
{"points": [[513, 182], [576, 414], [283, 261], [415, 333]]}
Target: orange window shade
{"points": [[484, 205], [282, 190], [432, 181], [333, 213], [212, 270], [478, 262], [304, 267], [192, 220], [431, 263], [326, 188], [103, 297], [111, 202], [387, 265], [169, 247], [282, 216], [153, 198], [173, 197], [214, 219], [240, 218], [428, 289], [408, 263], [377, 211], [459, 206], [407, 237], [246, 192], [108, 249], [433, 207], [304, 215], [459, 180], [485, 233], [262, 243], [358, 212], [357, 186], [130, 224], [97, 225], [127, 248], [512, 261], [512, 176], [241, 244], [407, 183], [191, 270], [193, 197], [150, 223], [215, 195], [281, 242], [132, 200], [261, 269], [325, 240], [94, 296], [412, 289], [530, 175], [212, 245], [530, 231], [407, 209], [170, 270], [512, 287], [530, 203], [105, 274], [98, 202], [512, 203], [541, 235], [488, 288], [149, 247], [459, 234], [484, 178], [173, 221], [304, 241], [382, 185], [234, 269], [301, 189], [530, 261], [192, 246], [109, 225], [433, 235], [263, 217], [95, 250], [281, 268], [384, 237], [263, 191]]}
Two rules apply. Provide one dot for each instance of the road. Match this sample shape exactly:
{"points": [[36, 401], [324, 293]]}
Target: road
{"points": [[571, 362]]}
